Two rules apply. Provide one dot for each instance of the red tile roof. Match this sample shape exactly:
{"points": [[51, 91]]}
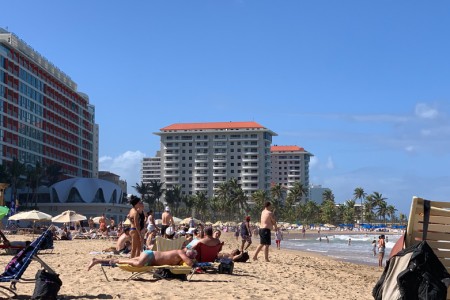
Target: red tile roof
{"points": [[212, 125], [286, 148]]}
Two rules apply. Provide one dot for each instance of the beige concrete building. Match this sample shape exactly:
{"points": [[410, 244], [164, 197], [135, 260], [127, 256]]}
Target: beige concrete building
{"points": [[151, 168], [201, 156], [289, 164]]}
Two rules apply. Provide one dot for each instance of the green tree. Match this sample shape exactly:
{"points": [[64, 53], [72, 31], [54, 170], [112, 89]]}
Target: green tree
{"points": [[157, 191], [360, 194], [35, 175], [53, 174], [16, 171]]}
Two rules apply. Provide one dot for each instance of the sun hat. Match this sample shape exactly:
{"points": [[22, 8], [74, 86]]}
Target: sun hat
{"points": [[167, 208]]}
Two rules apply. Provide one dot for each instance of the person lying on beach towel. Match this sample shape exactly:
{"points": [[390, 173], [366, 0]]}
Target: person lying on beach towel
{"points": [[152, 258]]}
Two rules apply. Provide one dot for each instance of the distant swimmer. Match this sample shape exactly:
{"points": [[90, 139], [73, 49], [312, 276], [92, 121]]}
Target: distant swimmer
{"points": [[349, 241]]}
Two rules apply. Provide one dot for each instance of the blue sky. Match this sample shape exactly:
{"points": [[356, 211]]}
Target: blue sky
{"points": [[363, 85]]}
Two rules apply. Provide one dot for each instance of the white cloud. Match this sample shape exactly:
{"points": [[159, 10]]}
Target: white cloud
{"points": [[409, 148], [425, 111], [126, 165]]}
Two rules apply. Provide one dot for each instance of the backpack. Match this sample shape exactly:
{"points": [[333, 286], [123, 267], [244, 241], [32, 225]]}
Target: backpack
{"points": [[166, 274], [413, 273], [243, 258], [47, 285]]}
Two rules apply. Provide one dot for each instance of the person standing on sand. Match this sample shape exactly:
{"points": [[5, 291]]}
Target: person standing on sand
{"points": [[246, 233], [278, 238], [374, 247], [167, 221], [267, 223], [135, 229], [381, 249]]}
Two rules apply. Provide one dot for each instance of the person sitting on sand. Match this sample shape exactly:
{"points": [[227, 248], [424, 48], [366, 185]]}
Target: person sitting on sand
{"points": [[124, 242], [209, 240], [152, 258]]}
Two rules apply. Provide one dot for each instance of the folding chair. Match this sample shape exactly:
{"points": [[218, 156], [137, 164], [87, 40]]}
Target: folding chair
{"points": [[430, 221], [20, 262]]}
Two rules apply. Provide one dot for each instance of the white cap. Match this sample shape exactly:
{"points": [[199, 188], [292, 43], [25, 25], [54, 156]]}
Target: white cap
{"points": [[167, 208], [191, 230], [169, 231]]}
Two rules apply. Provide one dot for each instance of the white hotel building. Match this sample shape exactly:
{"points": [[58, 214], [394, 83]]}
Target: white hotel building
{"points": [[201, 156]]}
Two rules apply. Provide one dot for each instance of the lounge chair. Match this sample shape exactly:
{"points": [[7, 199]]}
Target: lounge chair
{"points": [[139, 271], [20, 262], [11, 247], [430, 221], [163, 244]]}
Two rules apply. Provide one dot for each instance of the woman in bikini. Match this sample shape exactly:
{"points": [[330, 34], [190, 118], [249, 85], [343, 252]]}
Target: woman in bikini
{"points": [[135, 230]]}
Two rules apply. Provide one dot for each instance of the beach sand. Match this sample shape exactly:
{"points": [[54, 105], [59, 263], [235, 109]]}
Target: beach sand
{"points": [[289, 275]]}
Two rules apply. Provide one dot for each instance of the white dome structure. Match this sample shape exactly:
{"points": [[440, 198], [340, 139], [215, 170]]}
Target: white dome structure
{"points": [[85, 190]]}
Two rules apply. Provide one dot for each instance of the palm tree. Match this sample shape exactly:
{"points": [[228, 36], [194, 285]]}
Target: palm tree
{"points": [[143, 189], [277, 192], [260, 197], [390, 211], [298, 191], [328, 195], [156, 190], [16, 170], [360, 194], [200, 203], [379, 202], [174, 198], [34, 178], [53, 174]]}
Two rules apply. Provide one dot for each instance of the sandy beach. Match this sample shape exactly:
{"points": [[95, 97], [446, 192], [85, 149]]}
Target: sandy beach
{"points": [[289, 275]]}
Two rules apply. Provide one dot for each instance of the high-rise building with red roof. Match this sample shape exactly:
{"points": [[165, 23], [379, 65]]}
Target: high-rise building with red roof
{"points": [[201, 156], [43, 117], [289, 164]]}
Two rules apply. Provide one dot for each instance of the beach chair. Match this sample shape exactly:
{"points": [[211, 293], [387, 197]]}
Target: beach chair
{"points": [[11, 247], [207, 253], [155, 270], [20, 262], [163, 244], [430, 221]]}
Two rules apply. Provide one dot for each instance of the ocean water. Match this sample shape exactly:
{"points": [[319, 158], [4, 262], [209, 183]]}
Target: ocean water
{"points": [[359, 250]]}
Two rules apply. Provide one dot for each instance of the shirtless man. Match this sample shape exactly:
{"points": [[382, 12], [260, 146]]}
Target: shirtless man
{"points": [[167, 221], [267, 223], [152, 258], [124, 241]]}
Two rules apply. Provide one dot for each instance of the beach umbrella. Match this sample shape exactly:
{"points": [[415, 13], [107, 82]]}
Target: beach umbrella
{"points": [[68, 216], [158, 221], [3, 211], [32, 215], [177, 221], [187, 220], [127, 222], [218, 223], [208, 223], [97, 220]]}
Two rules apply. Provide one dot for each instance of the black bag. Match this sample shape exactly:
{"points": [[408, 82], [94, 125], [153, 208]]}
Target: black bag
{"points": [[226, 266], [166, 274], [47, 285], [244, 257], [413, 273]]}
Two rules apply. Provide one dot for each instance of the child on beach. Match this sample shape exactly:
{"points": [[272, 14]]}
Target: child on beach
{"points": [[278, 238], [374, 247]]}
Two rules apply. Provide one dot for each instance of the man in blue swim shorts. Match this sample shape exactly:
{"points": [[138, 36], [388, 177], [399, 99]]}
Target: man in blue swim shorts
{"points": [[152, 258]]}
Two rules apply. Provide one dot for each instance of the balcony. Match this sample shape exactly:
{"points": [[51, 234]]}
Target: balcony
{"points": [[249, 180], [219, 167], [252, 159], [250, 167], [219, 159], [201, 167], [201, 159]]}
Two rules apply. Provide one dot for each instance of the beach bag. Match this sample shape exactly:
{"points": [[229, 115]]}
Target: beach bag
{"points": [[226, 266], [166, 274], [243, 258], [413, 273], [47, 285]]}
